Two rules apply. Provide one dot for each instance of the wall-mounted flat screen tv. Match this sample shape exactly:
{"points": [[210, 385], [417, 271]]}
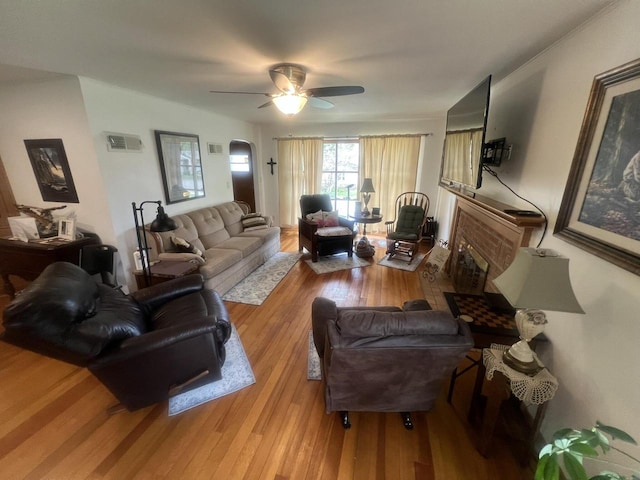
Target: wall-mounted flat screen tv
{"points": [[464, 138]]}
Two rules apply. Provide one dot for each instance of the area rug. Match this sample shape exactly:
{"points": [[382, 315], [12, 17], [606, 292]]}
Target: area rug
{"points": [[255, 288], [314, 371], [401, 263], [334, 263], [236, 375]]}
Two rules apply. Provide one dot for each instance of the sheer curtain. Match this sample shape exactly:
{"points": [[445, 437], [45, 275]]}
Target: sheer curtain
{"points": [[299, 173], [392, 164]]}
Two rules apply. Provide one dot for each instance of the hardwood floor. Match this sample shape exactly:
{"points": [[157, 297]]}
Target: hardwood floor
{"points": [[53, 420]]}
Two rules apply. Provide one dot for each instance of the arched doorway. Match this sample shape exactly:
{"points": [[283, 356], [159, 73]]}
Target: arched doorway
{"points": [[241, 164]]}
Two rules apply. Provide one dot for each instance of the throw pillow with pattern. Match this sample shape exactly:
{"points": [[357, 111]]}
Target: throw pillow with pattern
{"points": [[183, 246]]}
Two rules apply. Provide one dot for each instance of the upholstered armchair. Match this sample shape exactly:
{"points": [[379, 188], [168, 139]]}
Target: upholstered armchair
{"points": [[320, 230], [404, 232], [143, 347], [386, 359]]}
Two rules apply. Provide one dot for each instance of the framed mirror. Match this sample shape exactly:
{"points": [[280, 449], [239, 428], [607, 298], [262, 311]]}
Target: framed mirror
{"points": [[181, 166]]}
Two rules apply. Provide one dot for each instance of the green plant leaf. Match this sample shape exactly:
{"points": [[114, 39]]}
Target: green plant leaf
{"points": [[548, 468], [616, 433], [563, 433], [583, 449], [574, 468], [546, 450]]}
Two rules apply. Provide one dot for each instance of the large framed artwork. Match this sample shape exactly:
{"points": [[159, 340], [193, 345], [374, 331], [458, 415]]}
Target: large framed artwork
{"points": [[181, 166], [51, 168], [600, 209]]}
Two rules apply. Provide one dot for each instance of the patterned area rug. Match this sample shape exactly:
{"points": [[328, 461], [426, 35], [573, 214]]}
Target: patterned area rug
{"points": [[333, 263], [236, 375], [255, 288], [314, 372], [401, 263]]}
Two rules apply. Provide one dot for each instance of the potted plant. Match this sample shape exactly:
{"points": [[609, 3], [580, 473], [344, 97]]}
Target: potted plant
{"points": [[572, 446]]}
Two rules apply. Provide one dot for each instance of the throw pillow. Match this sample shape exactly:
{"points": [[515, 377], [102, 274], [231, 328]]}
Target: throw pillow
{"points": [[331, 219], [317, 217], [185, 247], [253, 221]]}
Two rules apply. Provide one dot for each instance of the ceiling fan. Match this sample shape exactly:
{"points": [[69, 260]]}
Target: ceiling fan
{"points": [[289, 78]]}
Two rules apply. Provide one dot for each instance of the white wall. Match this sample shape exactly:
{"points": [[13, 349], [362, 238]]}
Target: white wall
{"points": [[540, 108], [135, 177], [428, 169], [53, 109]]}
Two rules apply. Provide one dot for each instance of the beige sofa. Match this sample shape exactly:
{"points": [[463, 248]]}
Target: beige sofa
{"points": [[230, 253]]}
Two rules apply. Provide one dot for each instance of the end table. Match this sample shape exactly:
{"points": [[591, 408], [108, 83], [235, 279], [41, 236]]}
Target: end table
{"points": [[165, 270], [531, 390]]}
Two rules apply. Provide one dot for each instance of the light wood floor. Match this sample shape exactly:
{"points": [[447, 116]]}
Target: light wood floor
{"points": [[53, 420]]}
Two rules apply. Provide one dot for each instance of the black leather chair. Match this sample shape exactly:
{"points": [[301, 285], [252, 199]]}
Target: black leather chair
{"points": [[143, 347], [318, 239]]}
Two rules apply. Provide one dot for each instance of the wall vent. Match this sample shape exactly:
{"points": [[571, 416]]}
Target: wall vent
{"points": [[117, 142], [214, 148]]}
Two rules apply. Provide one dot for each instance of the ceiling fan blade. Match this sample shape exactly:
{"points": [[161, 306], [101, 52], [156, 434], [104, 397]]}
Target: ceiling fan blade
{"points": [[268, 104], [333, 91], [242, 93], [319, 102], [282, 82]]}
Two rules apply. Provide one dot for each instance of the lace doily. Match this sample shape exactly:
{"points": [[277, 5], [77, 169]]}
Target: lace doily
{"points": [[529, 389]]}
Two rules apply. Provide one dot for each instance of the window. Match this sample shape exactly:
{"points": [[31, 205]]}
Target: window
{"points": [[340, 160], [239, 163]]}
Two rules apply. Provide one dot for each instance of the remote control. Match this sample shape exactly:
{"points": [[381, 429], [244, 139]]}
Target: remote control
{"points": [[523, 213]]}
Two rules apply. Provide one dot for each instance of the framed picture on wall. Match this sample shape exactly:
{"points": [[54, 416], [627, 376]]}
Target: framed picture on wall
{"points": [[600, 209], [180, 165], [51, 168]]}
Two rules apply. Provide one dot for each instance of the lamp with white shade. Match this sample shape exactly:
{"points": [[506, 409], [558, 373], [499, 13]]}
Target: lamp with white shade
{"points": [[290, 104], [366, 190], [537, 279]]}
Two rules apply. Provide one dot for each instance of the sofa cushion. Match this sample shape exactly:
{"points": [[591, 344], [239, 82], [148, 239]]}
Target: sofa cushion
{"points": [[334, 232], [244, 244], [231, 214], [369, 323], [186, 230], [218, 260], [210, 226]]}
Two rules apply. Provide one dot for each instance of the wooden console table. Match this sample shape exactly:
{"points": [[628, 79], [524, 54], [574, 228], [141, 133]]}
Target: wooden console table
{"points": [[28, 259]]}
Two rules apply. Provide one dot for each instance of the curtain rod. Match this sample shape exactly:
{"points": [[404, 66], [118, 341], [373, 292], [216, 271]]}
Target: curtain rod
{"points": [[354, 137]]}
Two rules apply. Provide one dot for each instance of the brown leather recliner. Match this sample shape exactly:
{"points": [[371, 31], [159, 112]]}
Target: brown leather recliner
{"points": [[386, 359], [143, 347]]}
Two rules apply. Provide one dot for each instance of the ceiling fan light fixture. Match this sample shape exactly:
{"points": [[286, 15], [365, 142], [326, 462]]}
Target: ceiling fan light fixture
{"points": [[290, 104]]}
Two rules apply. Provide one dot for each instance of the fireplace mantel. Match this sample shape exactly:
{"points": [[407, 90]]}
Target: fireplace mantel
{"points": [[496, 235]]}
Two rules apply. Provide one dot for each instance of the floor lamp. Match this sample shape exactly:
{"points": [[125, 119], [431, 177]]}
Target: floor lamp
{"points": [[162, 223]]}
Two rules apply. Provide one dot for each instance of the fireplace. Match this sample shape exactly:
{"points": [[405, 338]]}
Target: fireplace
{"points": [[470, 270], [485, 241]]}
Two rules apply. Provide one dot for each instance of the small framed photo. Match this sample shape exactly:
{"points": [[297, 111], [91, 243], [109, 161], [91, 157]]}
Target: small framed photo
{"points": [[67, 229], [375, 211]]}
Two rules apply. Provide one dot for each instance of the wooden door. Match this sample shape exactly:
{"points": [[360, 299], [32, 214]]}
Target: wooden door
{"points": [[242, 173], [7, 203]]}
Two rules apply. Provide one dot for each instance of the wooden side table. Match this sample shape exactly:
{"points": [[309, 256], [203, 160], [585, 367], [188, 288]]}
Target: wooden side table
{"points": [[28, 259], [504, 381], [165, 270]]}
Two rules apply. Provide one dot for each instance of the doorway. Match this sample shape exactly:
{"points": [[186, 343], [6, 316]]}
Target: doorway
{"points": [[241, 164]]}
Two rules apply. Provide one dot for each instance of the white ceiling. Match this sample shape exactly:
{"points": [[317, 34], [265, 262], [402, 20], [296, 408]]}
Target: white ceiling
{"points": [[415, 58]]}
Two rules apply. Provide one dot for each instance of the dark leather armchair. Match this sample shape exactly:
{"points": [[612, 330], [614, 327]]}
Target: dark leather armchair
{"points": [[386, 359], [322, 240], [142, 347]]}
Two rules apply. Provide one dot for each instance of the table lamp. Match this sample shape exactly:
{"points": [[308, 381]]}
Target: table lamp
{"points": [[162, 223], [537, 279], [366, 190]]}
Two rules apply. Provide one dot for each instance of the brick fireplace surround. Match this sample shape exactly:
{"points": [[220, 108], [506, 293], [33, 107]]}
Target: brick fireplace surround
{"points": [[482, 223]]}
